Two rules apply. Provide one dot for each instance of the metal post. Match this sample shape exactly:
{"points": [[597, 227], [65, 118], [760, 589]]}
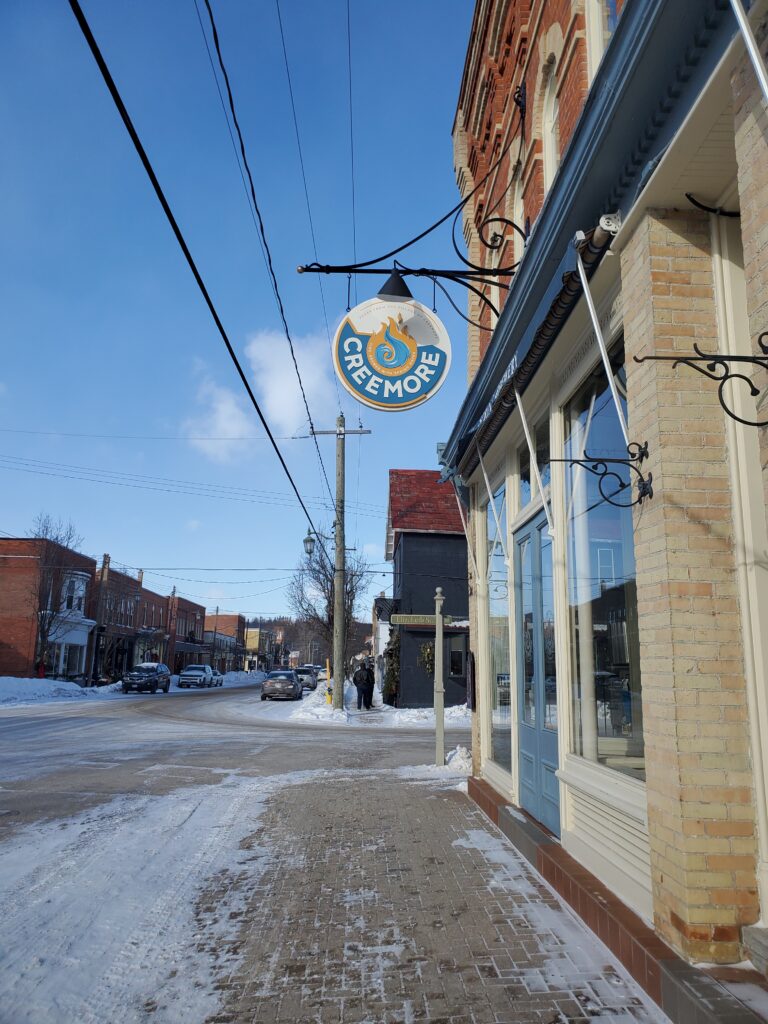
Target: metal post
{"points": [[339, 574], [751, 44], [439, 687]]}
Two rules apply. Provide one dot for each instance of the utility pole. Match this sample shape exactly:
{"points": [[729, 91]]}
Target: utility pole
{"points": [[339, 638], [339, 567]]}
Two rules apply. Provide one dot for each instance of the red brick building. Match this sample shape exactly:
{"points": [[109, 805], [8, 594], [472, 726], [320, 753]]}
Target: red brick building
{"points": [[551, 50], [225, 636], [115, 607], [186, 633], [152, 627], [45, 593]]}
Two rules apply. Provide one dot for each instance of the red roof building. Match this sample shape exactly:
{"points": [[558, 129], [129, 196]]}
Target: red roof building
{"points": [[419, 503]]}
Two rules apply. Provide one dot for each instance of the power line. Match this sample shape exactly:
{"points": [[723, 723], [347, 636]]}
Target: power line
{"points": [[232, 139], [351, 142], [160, 484], [262, 232], [148, 437], [304, 180], [118, 101]]}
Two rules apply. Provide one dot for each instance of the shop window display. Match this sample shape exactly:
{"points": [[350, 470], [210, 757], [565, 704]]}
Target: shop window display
{"points": [[498, 631], [602, 596]]}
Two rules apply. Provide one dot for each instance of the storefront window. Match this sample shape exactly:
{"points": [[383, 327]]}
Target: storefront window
{"points": [[524, 477], [542, 450], [498, 631], [602, 596]]}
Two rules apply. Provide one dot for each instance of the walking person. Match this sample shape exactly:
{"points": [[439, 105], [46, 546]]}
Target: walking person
{"points": [[370, 682], [360, 679]]}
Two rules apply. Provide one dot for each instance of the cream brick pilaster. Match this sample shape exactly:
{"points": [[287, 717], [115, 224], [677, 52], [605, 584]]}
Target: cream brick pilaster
{"points": [[699, 781]]}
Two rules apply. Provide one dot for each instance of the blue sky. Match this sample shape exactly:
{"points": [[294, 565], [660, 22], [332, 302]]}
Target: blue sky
{"points": [[102, 328]]}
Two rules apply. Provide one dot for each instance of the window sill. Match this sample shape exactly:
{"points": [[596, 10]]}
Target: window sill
{"points": [[607, 786]]}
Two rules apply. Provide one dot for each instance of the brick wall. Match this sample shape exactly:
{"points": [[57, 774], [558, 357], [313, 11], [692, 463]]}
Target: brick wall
{"points": [[21, 562], [699, 783], [18, 589], [512, 43]]}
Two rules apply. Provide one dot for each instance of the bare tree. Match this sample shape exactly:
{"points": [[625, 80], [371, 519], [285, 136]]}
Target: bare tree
{"points": [[310, 594], [57, 540]]}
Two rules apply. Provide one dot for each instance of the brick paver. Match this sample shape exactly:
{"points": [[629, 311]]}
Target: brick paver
{"points": [[388, 900]]}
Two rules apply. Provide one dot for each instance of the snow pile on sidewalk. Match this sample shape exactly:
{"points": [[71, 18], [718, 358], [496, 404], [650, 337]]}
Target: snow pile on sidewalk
{"points": [[16, 690], [315, 708], [453, 774], [457, 716]]}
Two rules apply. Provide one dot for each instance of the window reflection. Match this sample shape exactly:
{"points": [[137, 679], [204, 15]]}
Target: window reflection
{"points": [[498, 631], [606, 696]]}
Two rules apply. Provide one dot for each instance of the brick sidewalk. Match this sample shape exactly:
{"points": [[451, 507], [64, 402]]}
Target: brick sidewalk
{"points": [[388, 900]]}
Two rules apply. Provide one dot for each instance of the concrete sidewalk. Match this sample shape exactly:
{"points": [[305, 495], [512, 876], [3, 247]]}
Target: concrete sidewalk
{"points": [[389, 897]]}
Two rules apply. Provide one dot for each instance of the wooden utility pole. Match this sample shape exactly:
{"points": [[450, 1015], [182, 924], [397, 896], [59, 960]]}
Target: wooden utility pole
{"points": [[339, 567]]}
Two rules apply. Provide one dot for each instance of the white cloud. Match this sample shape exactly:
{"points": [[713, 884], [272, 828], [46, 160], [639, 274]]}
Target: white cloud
{"points": [[276, 384], [193, 525], [220, 413], [373, 552]]}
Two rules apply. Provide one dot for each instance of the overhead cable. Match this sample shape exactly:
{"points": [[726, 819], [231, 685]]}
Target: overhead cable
{"points": [[351, 141], [262, 232], [118, 101], [304, 180]]}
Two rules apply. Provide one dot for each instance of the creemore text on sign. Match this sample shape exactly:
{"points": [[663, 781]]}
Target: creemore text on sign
{"points": [[391, 355]]}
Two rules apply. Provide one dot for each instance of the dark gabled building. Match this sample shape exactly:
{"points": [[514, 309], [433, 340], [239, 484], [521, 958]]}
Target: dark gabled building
{"points": [[428, 549]]}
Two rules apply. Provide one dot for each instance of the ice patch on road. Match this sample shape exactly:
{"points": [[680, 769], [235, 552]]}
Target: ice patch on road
{"points": [[99, 911]]}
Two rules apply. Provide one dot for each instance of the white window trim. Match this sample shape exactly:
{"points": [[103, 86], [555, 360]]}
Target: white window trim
{"points": [[549, 124]]}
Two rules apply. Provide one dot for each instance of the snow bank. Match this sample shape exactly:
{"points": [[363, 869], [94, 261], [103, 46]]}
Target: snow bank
{"points": [[15, 690], [458, 765], [458, 716]]}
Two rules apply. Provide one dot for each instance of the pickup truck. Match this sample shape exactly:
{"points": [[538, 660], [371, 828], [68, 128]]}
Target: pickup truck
{"points": [[197, 675]]}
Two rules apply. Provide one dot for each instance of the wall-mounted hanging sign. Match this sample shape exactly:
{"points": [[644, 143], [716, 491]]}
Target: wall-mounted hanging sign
{"points": [[391, 355]]}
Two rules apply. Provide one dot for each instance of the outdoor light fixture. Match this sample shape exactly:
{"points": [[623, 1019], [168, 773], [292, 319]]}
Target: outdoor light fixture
{"points": [[309, 543]]}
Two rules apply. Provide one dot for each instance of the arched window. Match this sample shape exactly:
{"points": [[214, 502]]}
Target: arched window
{"points": [[550, 129]]}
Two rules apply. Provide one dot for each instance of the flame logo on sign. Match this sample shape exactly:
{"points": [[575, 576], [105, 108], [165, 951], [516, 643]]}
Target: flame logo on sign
{"points": [[392, 350]]}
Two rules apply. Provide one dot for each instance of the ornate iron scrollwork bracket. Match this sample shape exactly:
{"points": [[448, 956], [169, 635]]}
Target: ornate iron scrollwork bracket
{"points": [[474, 277], [607, 473], [717, 367]]}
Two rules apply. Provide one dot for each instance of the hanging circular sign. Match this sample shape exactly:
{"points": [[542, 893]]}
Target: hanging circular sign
{"points": [[391, 355]]}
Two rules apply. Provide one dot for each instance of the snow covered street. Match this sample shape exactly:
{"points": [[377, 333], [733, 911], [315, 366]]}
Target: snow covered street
{"points": [[185, 861]]}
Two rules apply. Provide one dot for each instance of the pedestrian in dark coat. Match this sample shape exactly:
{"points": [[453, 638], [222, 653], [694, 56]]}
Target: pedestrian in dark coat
{"points": [[370, 682], [360, 679]]}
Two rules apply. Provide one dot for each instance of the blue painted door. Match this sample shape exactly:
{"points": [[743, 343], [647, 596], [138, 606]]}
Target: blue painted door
{"points": [[536, 673]]}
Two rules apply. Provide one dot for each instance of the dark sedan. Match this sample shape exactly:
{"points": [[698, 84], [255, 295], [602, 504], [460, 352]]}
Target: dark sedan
{"points": [[282, 684], [150, 675]]}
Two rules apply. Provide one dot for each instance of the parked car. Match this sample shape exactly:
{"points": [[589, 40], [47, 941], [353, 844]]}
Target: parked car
{"points": [[218, 678], [149, 675], [283, 684], [307, 676], [196, 675]]}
